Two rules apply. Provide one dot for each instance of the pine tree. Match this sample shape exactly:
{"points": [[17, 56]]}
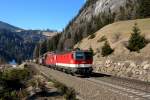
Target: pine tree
{"points": [[43, 47], [2, 61], [49, 45], [91, 50], [136, 41], [106, 49], [75, 39], [36, 51]]}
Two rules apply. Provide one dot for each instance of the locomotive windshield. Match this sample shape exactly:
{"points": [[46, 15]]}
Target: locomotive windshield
{"points": [[83, 55]]}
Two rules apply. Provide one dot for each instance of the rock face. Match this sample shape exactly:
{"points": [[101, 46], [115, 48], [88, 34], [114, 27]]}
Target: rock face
{"points": [[94, 15], [125, 64], [105, 5], [108, 6], [128, 69]]}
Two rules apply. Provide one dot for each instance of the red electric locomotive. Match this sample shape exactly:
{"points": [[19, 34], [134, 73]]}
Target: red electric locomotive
{"points": [[78, 62]]}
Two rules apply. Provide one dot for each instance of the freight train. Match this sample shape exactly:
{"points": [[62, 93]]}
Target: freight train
{"points": [[73, 62]]}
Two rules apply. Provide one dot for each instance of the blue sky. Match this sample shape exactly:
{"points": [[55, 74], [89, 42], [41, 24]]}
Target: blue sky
{"points": [[39, 14]]}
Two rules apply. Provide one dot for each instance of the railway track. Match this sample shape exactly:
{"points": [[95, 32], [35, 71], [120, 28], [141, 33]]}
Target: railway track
{"points": [[128, 86], [135, 84], [136, 93], [101, 87]]}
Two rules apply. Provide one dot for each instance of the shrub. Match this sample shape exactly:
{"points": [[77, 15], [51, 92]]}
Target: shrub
{"points": [[106, 49], [91, 50], [103, 38], [12, 83], [92, 36], [13, 95], [43, 88], [15, 78], [8, 95], [70, 94], [136, 41], [77, 49], [61, 87], [16, 74], [32, 83]]}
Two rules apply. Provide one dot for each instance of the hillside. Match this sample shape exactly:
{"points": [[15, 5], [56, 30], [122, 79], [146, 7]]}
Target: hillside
{"points": [[122, 62], [12, 46], [95, 14], [31, 35], [19, 44], [7, 26], [49, 34], [122, 30]]}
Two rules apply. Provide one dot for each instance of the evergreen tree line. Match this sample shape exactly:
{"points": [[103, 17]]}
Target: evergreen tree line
{"points": [[144, 8], [46, 46], [13, 47]]}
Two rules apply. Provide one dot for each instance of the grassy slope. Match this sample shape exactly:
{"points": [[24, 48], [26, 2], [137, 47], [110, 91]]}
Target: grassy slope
{"points": [[124, 28]]}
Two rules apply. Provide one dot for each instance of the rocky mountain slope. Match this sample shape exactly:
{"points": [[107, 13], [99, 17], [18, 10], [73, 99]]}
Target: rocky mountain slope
{"points": [[121, 62], [95, 14]]}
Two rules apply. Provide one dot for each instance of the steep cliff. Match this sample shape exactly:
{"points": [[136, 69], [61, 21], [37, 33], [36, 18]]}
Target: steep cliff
{"points": [[94, 15]]}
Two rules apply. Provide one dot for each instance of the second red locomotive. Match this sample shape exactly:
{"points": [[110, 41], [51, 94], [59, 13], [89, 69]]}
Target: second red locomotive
{"points": [[74, 62]]}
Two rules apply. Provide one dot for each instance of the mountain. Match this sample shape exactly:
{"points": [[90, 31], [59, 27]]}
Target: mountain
{"points": [[7, 26], [95, 14], [18, 44], [12, 46], [32, 35]]}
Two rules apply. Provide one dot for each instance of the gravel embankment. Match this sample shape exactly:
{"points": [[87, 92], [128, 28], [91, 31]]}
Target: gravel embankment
{"points": [[139, 85], [87, 90]]}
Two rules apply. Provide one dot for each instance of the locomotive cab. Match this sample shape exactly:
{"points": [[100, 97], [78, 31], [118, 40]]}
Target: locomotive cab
{"points": [[80, 55], [83, 61]]}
